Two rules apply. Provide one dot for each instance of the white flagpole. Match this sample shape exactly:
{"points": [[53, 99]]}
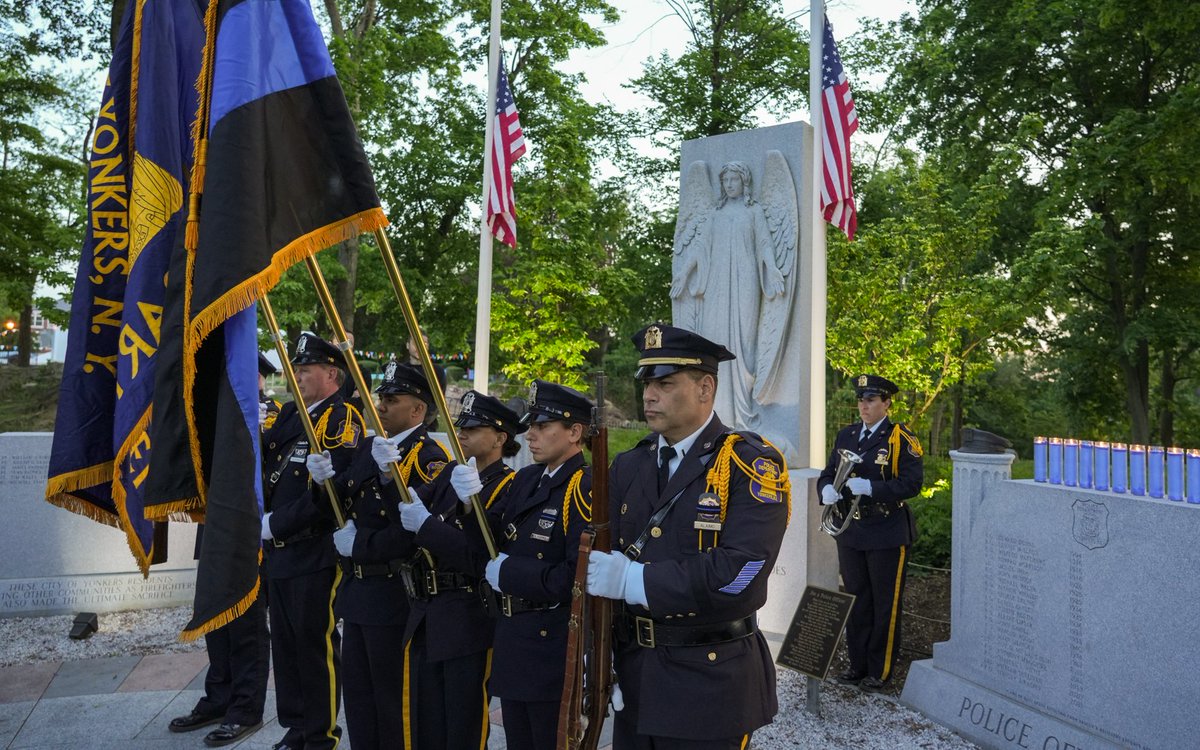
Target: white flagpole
{"points": [[816, 413], [483, 310]]}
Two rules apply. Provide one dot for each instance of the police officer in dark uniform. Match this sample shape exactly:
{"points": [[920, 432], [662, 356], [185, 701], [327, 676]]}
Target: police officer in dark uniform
{"points": [[538, 525], [873, 549], [449, 635], [374, 548], [699, 513], [235, 687], [301, 565]]}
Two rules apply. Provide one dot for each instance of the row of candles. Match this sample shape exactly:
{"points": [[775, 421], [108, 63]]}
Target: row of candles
{"points": [[1117, 467]]}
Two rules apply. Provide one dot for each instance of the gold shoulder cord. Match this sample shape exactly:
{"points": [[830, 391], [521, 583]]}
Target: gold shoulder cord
{"points": [[406, 465], [574, 493], [346, 436], [894, 447], [500, 486], [421, 470], [719, 475]]}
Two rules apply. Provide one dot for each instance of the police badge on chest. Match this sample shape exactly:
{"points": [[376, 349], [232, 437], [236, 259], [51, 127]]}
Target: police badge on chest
{"points": [[545, 523], [708, 513], [299, 452]]}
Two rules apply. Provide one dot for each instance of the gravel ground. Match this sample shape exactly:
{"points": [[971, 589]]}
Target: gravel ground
{"points": [[849, 717]]}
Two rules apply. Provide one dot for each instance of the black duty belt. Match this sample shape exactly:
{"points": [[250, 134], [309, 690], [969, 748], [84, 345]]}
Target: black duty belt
{"points": [[649, 633], [509, 605], [370, 570], [424, 584], [883, 509], [302, 536]]}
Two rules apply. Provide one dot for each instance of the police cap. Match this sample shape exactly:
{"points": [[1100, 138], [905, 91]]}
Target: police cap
{"points": [[549, 402], [311, 349], [479, 410], [873, 385], [401, 378], [265, 367], [666, 349]]}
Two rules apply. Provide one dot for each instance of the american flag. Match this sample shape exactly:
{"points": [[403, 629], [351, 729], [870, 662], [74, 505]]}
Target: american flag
{"points": [[837, 109], [508, 145]]}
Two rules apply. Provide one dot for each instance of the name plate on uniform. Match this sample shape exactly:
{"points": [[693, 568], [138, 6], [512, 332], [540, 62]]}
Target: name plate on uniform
{"points": [[816, 628]]}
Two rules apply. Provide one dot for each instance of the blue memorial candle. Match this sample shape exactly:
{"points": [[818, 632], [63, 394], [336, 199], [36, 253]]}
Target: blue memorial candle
{"points": [[1154, 473], [1085, 464], [1193, 476], [1039, 459], [1175, 474], [1070, 462], [1055, 460], [1137, 469], [1100, 452], [1120, 467]]}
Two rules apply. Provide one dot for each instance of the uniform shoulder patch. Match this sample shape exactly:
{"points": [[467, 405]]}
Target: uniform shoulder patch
{"points": [[765, 489], [433, 468], [912, 444]]}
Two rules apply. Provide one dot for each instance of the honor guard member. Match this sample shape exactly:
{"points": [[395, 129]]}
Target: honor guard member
{"points": [[698, 512], [873, 549], [301, 564], [239, 652], [374, 548], [449, 635], [538, 524]]}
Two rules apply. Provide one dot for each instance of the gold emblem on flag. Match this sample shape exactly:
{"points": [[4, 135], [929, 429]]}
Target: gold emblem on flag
{"points": [[653, 337]]}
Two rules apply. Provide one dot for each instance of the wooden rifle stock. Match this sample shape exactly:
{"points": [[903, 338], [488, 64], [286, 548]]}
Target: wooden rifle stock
{"points": [[588, 682]]}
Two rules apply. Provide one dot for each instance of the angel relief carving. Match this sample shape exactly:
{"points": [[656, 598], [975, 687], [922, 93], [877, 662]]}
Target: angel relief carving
{"points": [[734, 275]]}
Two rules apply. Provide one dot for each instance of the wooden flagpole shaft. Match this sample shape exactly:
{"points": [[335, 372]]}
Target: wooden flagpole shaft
{"points": [[342, 342], [414, 330], [301, 407]]}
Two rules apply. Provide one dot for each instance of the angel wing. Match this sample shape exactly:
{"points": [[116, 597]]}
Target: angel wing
{"points": [[689, 260], [780, 208]]}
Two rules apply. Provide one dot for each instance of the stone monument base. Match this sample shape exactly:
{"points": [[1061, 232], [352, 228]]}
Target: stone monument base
{"points": [[987, 718]]}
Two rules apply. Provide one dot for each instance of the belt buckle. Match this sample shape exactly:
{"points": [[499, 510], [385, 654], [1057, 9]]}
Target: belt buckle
{"points": [[277, 543], [431, 584], [358, 572], [506, 605], [510, 532], [633, 552], [857, 515], [643, 628], [274, 477]]}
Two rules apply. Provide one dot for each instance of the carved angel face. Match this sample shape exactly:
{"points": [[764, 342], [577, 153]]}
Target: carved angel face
{"points": [[732, 184]]}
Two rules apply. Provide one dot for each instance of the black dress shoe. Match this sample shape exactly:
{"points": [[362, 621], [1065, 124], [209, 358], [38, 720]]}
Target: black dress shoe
{"points": [[194, 720], [871, 685], [850, 677], [227, 733], [281, 745]]}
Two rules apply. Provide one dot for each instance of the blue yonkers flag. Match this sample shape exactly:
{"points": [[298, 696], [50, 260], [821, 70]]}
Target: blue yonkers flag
{"points": [[285, 177], [137, 181]]}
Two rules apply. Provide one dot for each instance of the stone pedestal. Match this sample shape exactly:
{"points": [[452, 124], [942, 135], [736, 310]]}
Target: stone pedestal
{"points": [[1071, 617], [55, 562]]}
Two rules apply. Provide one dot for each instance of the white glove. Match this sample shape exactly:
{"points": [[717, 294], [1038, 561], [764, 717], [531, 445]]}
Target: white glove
{"points": [[414, 514], [266, 528], [464, 478], [618, 699], [615, 576], [262, 414], [492, 571], [385, 453], [859, 486], [829, 495], [320, 466], [343, 539]]}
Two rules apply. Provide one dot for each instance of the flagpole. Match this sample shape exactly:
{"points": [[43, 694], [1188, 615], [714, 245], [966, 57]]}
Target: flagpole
{"points": [[483, 310], [817, 313]]}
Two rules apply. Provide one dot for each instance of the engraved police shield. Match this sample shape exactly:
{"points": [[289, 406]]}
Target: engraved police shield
{"points": [[389, 372], [1090, 525], [468, 402]]}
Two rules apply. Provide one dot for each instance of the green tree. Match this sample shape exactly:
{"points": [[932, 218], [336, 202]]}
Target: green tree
{"points": [[1100, 98]]}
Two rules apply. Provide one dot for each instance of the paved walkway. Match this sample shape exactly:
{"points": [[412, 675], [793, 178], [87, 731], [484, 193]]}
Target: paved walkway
{"points": [[125, 703]]}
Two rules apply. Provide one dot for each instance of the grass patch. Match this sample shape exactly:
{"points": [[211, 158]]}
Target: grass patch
{"points": [[30, 397]]}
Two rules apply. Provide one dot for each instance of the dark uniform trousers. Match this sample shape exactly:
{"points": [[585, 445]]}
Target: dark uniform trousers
{"points": [[873, 550], [449, 634], [538, 525], [302, 575], [372, 601], [239, 655], [702, 574]]}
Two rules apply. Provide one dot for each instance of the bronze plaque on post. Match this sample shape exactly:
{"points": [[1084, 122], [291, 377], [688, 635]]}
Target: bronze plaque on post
{"points": [[812, 638]]}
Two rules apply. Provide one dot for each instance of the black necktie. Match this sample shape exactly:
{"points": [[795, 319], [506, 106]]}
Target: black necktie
{"points": [[863, 437], [665, 454]]}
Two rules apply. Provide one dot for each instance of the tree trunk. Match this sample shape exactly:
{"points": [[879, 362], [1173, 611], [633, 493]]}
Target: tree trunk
{"points": [[1166, 417], [25, 336], [935, 428], [343, 289], [1135, 367]]}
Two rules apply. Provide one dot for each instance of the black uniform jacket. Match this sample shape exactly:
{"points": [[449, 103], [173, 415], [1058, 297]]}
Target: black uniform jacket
{"points": [[531, 647], [298, 519], [890, 445], [456, 623], [380, 538], [696, 577]]}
